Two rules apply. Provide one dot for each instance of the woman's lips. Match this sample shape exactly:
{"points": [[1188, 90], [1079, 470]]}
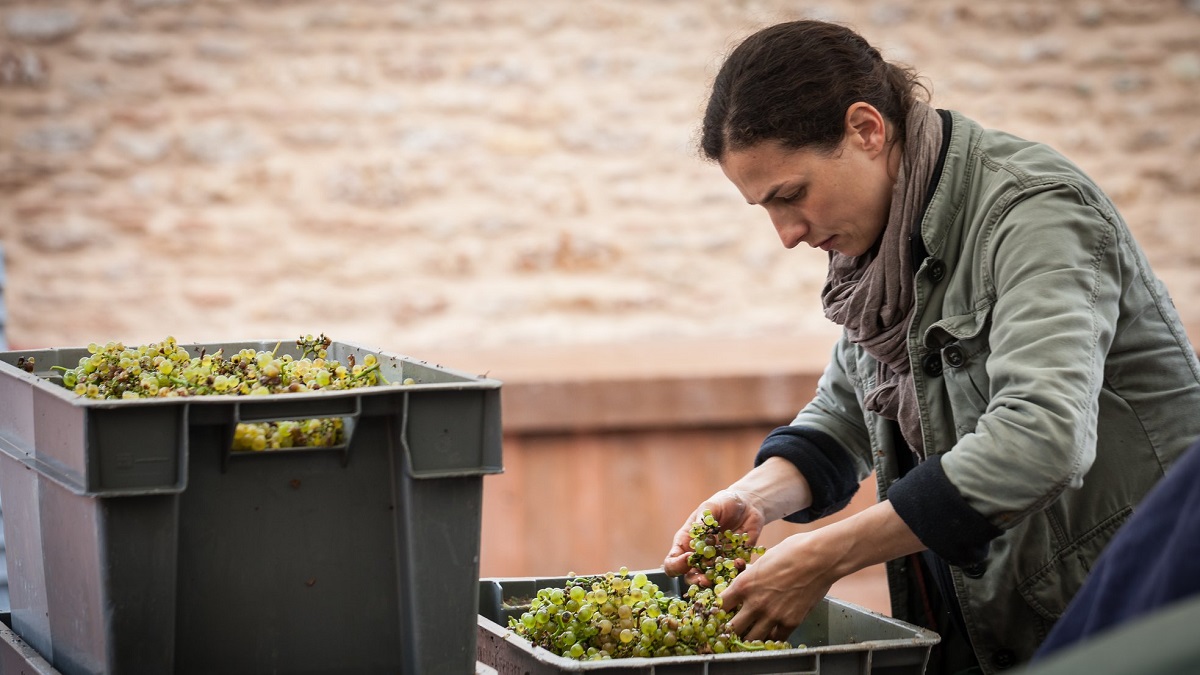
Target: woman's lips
{"points": [[826, 245]]}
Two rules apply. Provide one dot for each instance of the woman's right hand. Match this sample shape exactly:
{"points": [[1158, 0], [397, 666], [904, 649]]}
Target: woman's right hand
{"points": [[734, 510]]}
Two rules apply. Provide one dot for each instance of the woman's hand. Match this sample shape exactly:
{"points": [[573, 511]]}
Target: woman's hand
{"points": [[733, 510], [769, 491], [781, 587], [774, 594]]}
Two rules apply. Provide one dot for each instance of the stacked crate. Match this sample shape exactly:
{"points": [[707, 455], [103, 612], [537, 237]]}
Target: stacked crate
{"points": [[139, 542]]}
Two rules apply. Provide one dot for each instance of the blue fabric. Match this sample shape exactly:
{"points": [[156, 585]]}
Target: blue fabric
{"points": [[4, 604], [1152, 561]]}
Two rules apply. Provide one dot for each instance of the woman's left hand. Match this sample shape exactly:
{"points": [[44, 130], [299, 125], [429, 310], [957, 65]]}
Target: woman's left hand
{"points": [[780, 588]]}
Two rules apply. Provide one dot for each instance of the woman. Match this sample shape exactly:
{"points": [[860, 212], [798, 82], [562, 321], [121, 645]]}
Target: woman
{"points": [[1009, 366]]}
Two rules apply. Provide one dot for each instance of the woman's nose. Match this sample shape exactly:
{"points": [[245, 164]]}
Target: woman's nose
{"points": [[790, 229]]}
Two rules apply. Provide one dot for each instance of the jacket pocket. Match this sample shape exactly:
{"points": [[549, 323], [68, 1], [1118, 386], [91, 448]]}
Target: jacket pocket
{"points": [[965, 349], [1048, 590]]}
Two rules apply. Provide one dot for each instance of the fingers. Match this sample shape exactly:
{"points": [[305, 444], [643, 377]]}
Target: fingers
{"points": [[765, 630], [751, 625], [676, 564], [758, 631], [733, 595], [728, 508], [759, 616], [731, 599], [679, 566]]}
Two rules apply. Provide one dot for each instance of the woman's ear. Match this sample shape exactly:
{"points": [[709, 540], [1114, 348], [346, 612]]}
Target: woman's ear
{"points": [[866, 128]]}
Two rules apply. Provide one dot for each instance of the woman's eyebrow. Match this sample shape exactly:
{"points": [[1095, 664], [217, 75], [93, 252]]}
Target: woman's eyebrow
{"points": [[770, 194]]}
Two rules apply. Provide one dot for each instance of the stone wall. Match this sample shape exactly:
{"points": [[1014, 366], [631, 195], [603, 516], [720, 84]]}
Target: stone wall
{"points": [[481, 174]]}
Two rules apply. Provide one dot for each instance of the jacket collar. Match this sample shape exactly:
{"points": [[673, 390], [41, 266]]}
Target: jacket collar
{"points": [[918, 249]]}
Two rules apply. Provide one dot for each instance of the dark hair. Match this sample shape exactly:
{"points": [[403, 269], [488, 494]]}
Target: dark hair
{"points": [[793, 82]]}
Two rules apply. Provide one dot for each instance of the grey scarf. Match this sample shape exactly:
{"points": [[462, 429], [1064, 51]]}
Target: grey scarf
{"points": [[871, 296]]}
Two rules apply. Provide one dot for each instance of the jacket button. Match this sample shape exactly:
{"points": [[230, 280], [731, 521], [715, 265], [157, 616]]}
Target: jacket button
{"points": [[1004, 658], [932, 364], [937, 270], [954, 355], [974, 570]]}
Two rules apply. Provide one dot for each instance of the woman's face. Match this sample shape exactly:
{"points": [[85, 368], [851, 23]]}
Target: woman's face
{"points": [[834, 202]]}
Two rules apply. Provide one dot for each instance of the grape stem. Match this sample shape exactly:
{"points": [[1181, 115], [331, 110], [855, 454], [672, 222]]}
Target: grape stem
{"points": [[746, 646], [364, 371]]}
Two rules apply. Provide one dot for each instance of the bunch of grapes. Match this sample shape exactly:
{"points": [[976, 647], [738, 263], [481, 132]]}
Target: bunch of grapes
{"points": [[720, 554], [320, 432], [618, 616], [165, 369]]}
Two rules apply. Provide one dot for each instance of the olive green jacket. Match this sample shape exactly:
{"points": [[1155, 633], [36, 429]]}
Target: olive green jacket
{"points": [[1056, 385]]}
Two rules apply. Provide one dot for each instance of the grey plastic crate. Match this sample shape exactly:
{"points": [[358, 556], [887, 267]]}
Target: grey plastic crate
{"points": [[18, 658], [839, 638], [138, 543], [3, 309]]}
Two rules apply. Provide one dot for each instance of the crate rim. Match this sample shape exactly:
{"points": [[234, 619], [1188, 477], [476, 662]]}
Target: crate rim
{"points": [[922, 637], [470, 382], [925, 639]]}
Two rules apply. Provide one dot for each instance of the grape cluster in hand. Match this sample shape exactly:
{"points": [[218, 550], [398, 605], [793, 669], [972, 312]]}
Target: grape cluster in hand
{"points": [[165, 370], [720, 554], [618, 616]]}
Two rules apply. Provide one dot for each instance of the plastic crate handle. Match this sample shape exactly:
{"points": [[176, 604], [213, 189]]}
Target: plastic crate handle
{"points": [[348, 408], [278, 409]]}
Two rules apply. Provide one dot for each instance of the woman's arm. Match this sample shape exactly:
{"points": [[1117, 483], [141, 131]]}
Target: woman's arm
{"points": [[776, 488]]}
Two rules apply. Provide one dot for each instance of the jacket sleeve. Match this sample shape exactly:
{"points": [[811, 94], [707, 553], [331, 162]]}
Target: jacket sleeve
{"points": [[1052, 265], [827, 442]]}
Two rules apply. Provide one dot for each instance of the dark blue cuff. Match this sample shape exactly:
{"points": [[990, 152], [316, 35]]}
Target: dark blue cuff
{"points": [[823, 463], [936, 512]]}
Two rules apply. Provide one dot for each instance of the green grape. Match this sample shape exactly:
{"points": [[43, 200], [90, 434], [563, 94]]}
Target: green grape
{"points": [[616, 615], [165, 369]]}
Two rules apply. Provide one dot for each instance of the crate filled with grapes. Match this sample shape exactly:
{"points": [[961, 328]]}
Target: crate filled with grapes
{"points": [[244, 506], [646, 622]]}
